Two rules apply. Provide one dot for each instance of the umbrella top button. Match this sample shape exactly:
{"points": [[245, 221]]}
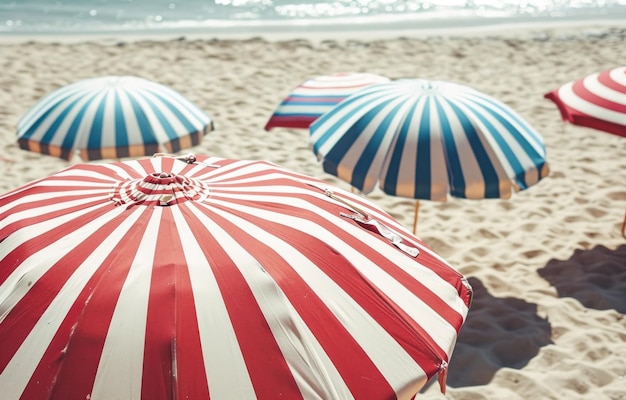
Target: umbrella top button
{"points": [[160, 189]]}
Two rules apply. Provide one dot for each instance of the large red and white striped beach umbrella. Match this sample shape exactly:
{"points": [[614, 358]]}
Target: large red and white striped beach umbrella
{"points": [[165, 278], [596, 101]]}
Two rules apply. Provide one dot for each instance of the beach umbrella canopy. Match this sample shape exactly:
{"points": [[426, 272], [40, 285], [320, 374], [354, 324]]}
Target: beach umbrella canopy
{"points": [[424, 139], [314, 97], [198, 277], [112, 117], [596, 101]]}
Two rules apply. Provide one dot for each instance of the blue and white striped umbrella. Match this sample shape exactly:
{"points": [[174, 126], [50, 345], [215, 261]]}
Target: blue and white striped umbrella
{"points": [[112, 117], [426, 139]]}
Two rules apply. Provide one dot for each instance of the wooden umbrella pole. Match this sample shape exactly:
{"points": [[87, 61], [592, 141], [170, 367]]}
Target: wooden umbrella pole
{"points": [[624, 227], [417, 208]]}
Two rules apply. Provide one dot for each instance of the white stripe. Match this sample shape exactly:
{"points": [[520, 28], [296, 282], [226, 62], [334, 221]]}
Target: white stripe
{"points": [[432, 322], [593, 85], [83, 133], [119, 374], [35, 265], [470, 168], [220, 349], [567, 95], [314, 372], [21, 367], [618, 75], [393, 362], [49, 207]]}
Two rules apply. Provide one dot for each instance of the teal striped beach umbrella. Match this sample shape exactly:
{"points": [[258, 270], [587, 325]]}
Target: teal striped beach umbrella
{"points": [[424, 139], [112, 117]]}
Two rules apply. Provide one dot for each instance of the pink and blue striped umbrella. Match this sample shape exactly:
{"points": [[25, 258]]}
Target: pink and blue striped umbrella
{"points": [[309, 100], [112, 117], [424, 139], [203, 277]]}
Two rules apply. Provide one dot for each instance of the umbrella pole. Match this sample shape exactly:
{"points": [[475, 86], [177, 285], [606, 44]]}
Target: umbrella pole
{"points": [[417, 208], [624, 227]]}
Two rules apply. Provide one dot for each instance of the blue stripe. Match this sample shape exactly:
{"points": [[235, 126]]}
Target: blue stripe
{"points": [[487, 169], [163, 121], [121, 134], [531, 134], [393, 171], [511, 157], [166, 95], [72, 132], [337, 126], [94, 141], [453, 164], [369, 152], [145, 129], [537, 159], [423, 162]]}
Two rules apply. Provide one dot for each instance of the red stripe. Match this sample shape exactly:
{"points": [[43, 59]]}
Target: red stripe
{"points": [[13, 227], [173, 365], [444, 271], [409, 334], [606, 79], [311, 100], [268, 371], [583, 92], [298, 121], [360, 374], [70, 363], [22, 318], [32, 245]]}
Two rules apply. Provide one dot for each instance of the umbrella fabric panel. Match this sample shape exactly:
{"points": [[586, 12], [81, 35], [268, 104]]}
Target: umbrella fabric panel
{"points": [[596, 101], [112, 117], [316, 96], [425, 139], [254, 249]]}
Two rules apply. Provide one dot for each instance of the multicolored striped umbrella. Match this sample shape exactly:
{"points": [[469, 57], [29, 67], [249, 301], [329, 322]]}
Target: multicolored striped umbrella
{"points": [[597, 101], [318, 95], [112, 117], [165, 278], [426, 139]]}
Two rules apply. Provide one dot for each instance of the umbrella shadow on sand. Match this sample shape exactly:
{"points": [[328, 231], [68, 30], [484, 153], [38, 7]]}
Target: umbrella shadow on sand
{"points": [[595, 277], [498, 333]]}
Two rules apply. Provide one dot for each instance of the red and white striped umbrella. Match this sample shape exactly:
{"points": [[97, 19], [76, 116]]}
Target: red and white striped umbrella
{"points": [[163, 278], [596, 101], [316, 96]]}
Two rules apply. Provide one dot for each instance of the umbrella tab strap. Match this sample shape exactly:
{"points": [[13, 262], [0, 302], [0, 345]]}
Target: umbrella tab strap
{"points": [[377, 227], [443, 374]]}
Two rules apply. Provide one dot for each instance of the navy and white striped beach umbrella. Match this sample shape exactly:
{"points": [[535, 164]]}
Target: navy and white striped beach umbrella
{"points": [[112, 117], [426, 139], [211, 278], [316, 96]]}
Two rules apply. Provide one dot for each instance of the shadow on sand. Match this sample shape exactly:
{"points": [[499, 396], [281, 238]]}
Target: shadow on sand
{"points": [[498, 333], [595, 277]]}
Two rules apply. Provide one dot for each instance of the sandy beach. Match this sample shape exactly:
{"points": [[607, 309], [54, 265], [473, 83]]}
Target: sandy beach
{"points": [[548, 266]]}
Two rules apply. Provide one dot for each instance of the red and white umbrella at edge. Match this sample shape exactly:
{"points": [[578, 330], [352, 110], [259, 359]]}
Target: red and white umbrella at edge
{"points": [[596, 101], [163, 278]]}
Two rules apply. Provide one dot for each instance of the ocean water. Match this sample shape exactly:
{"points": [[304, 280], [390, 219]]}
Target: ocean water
{"points": [[262, 16]]}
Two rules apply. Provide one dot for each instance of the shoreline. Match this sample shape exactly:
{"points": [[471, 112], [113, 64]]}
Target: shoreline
{"points": [[355, 32]]}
